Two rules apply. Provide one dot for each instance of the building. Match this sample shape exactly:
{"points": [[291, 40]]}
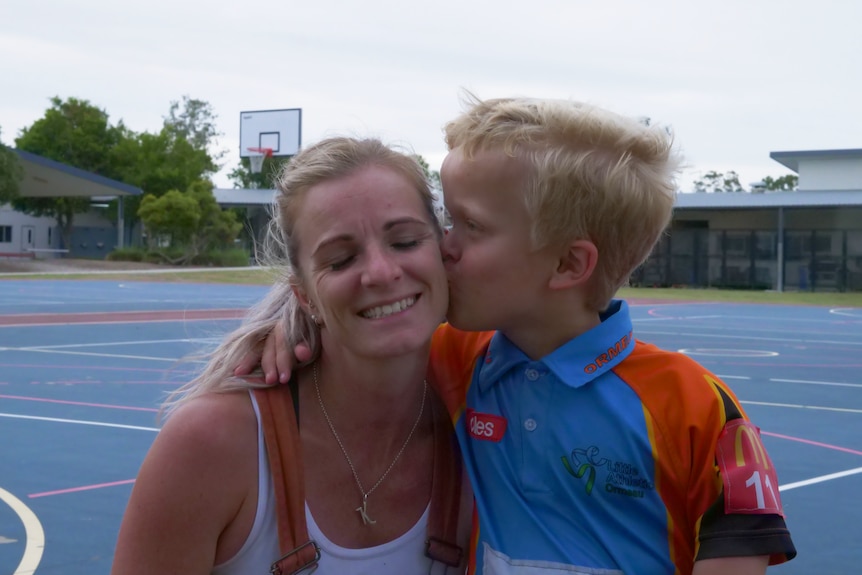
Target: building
{"points": [[94, 234], [809, 239]]}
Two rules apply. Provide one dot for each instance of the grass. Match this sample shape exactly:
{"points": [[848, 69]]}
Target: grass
{"points": [[260, 276]]}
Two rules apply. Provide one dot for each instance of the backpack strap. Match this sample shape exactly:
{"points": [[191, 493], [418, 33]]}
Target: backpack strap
{"points": [[442, 535], [278, 419]]}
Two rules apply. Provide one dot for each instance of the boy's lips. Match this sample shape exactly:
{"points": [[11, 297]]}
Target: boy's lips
{"points": [[386, 310]]}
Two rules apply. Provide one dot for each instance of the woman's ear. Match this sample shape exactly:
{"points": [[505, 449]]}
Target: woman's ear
{"points": [[576, 265]]}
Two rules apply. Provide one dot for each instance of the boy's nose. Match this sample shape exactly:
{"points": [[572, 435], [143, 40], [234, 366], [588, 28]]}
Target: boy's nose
{"points": [[448, 248]]}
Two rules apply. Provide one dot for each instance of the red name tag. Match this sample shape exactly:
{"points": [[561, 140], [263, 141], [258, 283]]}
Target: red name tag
{"points": [[484, 426], [750, 481]]}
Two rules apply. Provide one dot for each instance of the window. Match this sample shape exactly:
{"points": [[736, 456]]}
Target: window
{"points": [[6, 234]]}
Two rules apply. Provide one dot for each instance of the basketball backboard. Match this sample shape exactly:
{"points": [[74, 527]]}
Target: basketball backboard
{"points": [[278, 130]]}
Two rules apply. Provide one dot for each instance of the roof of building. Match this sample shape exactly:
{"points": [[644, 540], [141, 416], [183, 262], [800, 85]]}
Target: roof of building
{"points": [[246, 197], [745, 200], [791, 159], [49, 178]]}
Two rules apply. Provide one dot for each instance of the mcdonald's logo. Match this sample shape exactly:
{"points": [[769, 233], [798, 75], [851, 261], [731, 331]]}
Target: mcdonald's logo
{"points": [[746, 433]]}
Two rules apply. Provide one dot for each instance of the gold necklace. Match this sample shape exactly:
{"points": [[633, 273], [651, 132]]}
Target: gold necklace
{"points": [[363, 509]]}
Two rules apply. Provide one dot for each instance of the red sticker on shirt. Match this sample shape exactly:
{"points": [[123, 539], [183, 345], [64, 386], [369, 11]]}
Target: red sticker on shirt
{"points": [[750, 481], [485, 426]]}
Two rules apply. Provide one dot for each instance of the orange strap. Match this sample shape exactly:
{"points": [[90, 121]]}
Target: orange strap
{"points": [[281, 435], [442, 542]]}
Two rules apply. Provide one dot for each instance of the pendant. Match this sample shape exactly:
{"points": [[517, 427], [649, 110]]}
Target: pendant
{"points": [[363, 511]]}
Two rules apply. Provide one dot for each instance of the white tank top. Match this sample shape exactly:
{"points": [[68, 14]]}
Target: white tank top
{"points": [[404, 555]]}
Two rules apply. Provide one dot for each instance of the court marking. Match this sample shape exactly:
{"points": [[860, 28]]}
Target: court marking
{"points": [[79, 422], [798, 406], [34, 535], [752, 337], [81, 403], [821, 479], [82, 488], [723, 352]]}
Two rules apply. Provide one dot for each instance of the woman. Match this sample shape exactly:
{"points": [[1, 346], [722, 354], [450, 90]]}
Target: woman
{"points": [[365, 288]]}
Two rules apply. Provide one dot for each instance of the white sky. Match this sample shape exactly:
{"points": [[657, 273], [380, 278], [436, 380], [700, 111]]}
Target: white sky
{"points": [[736, 79]]}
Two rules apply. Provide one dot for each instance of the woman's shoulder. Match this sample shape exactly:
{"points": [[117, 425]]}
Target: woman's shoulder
{"points": [[213, 423]]}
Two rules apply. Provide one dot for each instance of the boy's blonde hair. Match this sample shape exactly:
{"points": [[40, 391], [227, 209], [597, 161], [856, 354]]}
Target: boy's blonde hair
{"points": [[327, 160], [592, 174]]}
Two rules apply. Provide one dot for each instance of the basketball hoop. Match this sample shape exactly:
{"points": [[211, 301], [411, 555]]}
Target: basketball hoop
{"points": [[256, 156]]}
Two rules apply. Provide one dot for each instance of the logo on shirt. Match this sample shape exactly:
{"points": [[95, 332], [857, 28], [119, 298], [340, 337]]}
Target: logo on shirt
{"points": [[485, 426], [615, 477], [607, 357]]}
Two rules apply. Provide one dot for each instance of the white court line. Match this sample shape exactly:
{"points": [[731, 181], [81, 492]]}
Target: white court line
{"points": [[110, 343], [807, 382], [34, 535], [733, 377], [752, 337], [79, 422], [796, 406], [844, 311], [820, 479], [89, 354]]}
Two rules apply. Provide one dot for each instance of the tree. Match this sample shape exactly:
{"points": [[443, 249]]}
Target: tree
{"points": [[243, 178], [714, 182], [188, 224], [75, 133], [432, 175], [11, 174], [195, 121], [786, 183]]}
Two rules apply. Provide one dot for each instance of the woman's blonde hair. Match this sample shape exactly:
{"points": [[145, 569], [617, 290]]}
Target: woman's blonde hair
{"points": [[326, 160]]}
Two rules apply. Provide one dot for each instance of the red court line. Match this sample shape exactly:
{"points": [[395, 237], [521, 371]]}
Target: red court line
{"points": [[809, 442], [120, 316], [82, 403], [83, 488]]}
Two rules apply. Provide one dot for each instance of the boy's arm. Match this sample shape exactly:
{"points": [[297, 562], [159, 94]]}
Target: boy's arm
{"points": [[736, 565]]}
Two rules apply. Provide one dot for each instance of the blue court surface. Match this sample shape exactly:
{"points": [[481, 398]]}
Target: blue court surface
{"points": [[85, 364]]}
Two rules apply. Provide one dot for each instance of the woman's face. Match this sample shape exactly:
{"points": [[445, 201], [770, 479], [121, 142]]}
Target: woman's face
{"points": [[370, 263]]}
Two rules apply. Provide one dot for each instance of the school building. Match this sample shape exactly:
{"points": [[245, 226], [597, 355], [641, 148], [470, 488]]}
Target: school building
{"points": [[94, 233], [810, 239]]}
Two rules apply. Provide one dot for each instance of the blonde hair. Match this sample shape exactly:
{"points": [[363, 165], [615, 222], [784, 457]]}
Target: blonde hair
{"points": [[592, 174], [326, 160]]}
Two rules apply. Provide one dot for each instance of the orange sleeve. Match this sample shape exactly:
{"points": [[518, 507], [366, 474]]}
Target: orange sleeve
{"points": [[453, 355]]}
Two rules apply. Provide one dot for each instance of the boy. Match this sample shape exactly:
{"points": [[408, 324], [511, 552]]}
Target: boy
{"points": [[588, 451]]}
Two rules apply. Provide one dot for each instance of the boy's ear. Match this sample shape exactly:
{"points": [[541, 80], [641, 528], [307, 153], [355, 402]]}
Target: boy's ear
{"points": [[576, 265]]}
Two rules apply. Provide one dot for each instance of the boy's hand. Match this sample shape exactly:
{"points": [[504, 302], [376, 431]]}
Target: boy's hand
{"points": [[274, 358]]}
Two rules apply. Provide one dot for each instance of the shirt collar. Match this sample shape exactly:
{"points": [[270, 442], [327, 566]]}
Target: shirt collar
{"points": [[575, 363]]}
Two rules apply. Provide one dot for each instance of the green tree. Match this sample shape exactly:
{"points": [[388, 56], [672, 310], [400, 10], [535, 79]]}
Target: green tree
{"points": [[787, 183], [11, 174], [243, 178], [195, 121], [187, 224], [714, 182], [76, 133], [432, 175]]}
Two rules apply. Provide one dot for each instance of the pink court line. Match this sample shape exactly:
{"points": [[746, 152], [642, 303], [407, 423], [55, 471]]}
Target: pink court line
{"points": [[105, 405], [83, 488], [809, 442]]}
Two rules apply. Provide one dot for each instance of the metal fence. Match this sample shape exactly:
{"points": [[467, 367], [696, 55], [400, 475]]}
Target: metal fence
{"points": [[814, 260]]}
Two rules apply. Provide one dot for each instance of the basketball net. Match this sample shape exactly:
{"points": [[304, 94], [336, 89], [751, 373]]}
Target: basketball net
{"points": [[256, 157]]}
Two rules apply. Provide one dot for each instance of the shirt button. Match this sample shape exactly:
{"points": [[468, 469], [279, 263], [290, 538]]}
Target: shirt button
{"points": [[532, 374], [530, 424]]}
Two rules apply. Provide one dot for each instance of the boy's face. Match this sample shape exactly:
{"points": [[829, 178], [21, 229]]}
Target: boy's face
{"points": [[496, 279]]}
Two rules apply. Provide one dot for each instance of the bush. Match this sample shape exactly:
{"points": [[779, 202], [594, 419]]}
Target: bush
{"points": [[132, 254], [232, 258]]}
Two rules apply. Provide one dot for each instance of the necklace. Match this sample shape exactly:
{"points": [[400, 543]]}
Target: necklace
{"points": [[363, 509]]}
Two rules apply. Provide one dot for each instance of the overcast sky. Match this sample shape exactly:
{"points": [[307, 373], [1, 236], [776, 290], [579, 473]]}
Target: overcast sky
{"points": [[736, 79]]}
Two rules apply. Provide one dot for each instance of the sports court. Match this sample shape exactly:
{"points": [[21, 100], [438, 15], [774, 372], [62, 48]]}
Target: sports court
{"points": [[84, 365]]}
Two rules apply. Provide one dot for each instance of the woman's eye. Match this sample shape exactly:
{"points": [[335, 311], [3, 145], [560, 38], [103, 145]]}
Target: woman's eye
{"points": [[341, 263], [405, 245]]}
